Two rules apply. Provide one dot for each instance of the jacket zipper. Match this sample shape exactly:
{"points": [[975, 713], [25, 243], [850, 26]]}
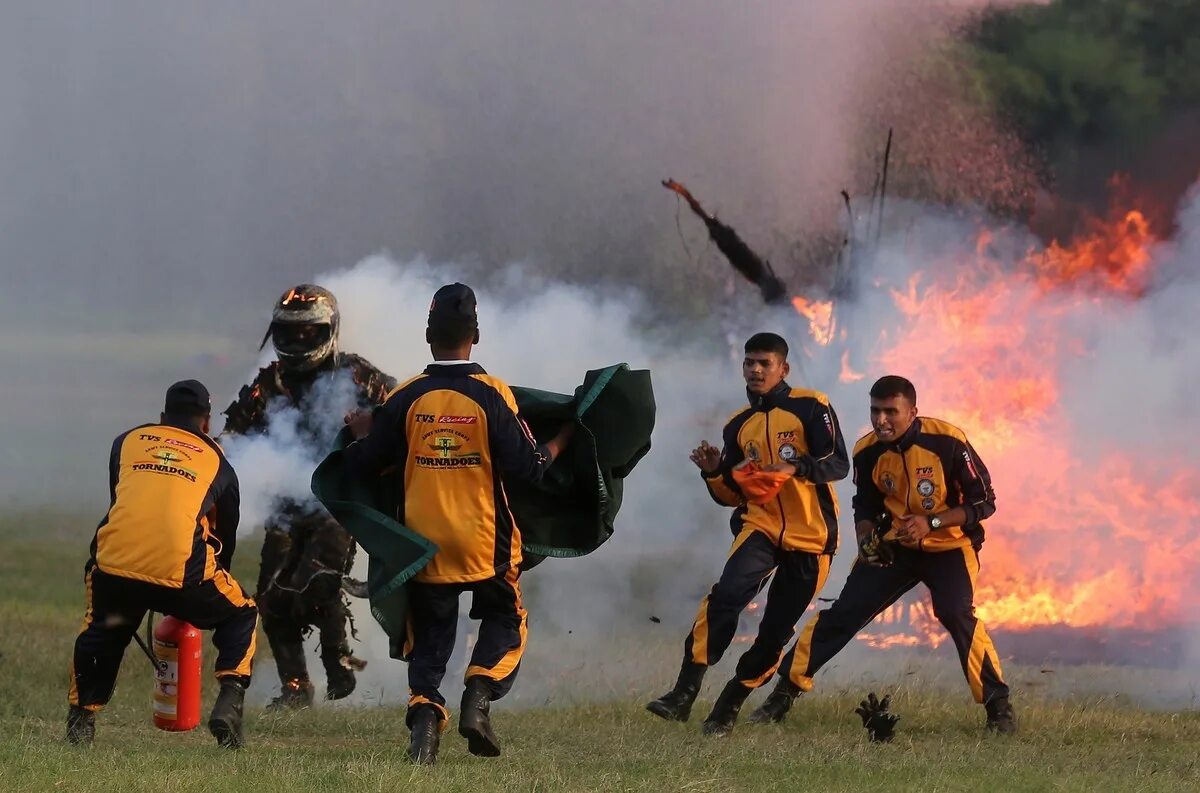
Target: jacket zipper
{"points": [[908, 494], [778, 498]]}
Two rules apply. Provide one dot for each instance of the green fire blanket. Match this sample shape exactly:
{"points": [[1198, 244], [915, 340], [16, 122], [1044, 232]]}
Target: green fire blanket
{"points": [[571, 512]]}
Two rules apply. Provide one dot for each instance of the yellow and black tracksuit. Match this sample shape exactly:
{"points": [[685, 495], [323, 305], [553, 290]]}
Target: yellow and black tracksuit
{"points": [[930, 469], [165, 545], [794, 535], [454, 435]]}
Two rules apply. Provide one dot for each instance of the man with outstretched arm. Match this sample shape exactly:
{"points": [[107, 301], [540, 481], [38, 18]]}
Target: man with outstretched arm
{"points": [[780, 457]]}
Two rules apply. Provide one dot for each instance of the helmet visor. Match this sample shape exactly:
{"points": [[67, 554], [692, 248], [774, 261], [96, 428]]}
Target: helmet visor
{"points": [[299, 339]]}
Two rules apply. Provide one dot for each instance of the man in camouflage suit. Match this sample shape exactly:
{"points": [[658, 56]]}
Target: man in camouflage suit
{"points": [[307, 553]]}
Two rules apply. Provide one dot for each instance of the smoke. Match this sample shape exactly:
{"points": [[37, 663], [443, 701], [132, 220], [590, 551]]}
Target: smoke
{"points": [[276, 467], [169, 170], [671, 538]]}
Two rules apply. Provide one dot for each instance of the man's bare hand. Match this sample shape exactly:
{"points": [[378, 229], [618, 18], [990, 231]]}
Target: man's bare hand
{"points": [[559, 442], [912, 528], [706, 457], [359, 422]]}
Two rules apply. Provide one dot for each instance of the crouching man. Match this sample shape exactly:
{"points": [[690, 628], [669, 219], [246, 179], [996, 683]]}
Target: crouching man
{"points": [[165, 545]]}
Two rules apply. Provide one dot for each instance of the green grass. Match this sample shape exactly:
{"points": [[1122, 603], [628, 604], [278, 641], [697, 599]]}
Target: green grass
{"points": [[1067, 743]]}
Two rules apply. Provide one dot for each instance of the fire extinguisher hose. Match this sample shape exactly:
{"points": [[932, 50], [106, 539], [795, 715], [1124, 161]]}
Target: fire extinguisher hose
{"points": [[146, 643]]}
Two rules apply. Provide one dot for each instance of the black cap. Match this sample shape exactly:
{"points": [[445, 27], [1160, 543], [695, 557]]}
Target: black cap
{"points": [[188, 398], [453, 308]]}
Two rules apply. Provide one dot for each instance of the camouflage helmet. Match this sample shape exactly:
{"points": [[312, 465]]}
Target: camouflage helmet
{"points": [[304, 327]]}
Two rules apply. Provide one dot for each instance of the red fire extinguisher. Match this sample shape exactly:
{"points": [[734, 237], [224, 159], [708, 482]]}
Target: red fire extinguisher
{"points": [[176, 675]]}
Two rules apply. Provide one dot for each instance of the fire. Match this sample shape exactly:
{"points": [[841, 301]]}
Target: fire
{"points": [[890, 640], [1115, 257], [1085, 534], [848, 375], [819, 314]]}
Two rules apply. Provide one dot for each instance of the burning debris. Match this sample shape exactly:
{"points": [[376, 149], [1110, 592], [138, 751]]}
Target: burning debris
{"points": [[758, 270], [754, 268]]}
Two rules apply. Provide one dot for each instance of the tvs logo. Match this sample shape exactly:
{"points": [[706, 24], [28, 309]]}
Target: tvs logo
{"points": [[970, 465], [786, 437], [457, 419]]}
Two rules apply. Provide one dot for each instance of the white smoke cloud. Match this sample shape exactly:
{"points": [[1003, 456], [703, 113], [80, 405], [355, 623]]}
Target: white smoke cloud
{"points": [[276, 467]]}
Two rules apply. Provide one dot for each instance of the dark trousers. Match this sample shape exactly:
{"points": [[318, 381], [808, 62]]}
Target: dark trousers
{"points": [[950, 577], [433, 623], [300, 588], [116, 607], [799, 576]]}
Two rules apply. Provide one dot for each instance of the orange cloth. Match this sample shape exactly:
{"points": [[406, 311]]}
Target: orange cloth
{"points": [[757, 485]]}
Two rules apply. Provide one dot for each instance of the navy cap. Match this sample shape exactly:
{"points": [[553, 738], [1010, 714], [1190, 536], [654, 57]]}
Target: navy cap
{"points": [[453, 307], [188, 398]]}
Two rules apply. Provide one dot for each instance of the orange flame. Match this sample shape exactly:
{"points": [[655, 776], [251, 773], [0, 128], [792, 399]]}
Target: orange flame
{"points": [[848, 375], [1115, 257], [1081, 538], [819, 314]]}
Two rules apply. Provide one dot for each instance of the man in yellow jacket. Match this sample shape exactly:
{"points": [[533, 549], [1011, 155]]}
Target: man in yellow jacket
{"points": [[922, 494], [165, 545], [453, 435], [780, 457]]}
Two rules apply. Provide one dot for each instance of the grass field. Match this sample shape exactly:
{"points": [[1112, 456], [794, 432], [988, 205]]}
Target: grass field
{"points": [[1073, 743]]}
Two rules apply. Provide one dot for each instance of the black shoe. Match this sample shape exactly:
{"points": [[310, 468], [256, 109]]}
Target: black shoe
{"points": [[81, 726], [294, 695], [225, 722], [676, 704], [724, 714], [474, 724], [339, 675], [425, 735], [1000, 717], [777, 704]]}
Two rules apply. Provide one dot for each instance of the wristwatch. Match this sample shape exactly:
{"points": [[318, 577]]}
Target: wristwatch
{"points": [[935, 522]]}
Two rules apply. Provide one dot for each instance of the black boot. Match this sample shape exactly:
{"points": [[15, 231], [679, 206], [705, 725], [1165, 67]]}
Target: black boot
{"points": [[425, 735], [1000, 716], [777, 704], [676, 704], [225, 722], [725, 711], [295, 691], [293, 695], [474, 724], [339, 673], [81, 726]]}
